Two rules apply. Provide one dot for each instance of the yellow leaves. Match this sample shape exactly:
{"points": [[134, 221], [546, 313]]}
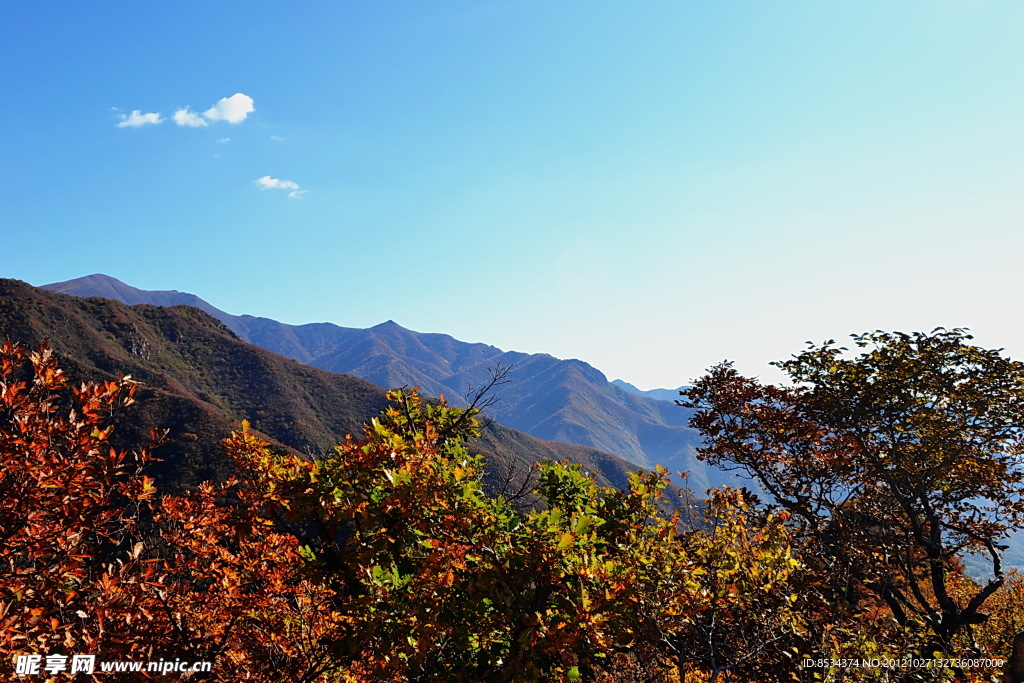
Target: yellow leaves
{"points": [[148, 489]]}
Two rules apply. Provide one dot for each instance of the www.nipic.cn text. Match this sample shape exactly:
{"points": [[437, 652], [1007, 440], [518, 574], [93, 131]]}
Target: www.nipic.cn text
{"points": [[38, 665]]}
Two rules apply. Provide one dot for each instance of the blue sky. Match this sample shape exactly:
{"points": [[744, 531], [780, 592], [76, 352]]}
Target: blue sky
{"points": [[650, 187]]}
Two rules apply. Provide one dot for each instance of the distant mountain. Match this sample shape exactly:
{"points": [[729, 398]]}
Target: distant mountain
{"points": [[658, 394], [200, 380], [249, 328], [552, 399]]}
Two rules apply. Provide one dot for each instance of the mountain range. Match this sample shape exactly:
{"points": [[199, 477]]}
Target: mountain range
{"points": [[199, 380], [566, 401]]}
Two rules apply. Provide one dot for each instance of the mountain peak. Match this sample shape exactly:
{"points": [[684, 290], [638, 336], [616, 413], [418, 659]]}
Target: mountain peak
{"points": [[99, 277], [97, 284], [107, 287], [94, 279]]}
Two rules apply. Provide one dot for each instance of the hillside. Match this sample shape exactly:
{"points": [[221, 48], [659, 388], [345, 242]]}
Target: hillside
{"points": [[552, 399], [200, 380]]}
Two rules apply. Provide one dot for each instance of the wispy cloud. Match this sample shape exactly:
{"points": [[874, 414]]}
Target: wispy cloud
{"points": [[277, 138], [268, 183], [137, 119], [232, 109], [223, 140], [189, 118]]}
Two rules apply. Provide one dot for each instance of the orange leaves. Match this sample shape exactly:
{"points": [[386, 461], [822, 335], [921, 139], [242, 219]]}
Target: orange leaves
{"points": [[233, 585], [67, 503], [79, 572]]}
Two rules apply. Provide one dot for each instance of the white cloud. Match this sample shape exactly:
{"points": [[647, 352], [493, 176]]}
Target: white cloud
{"points": [[189, 118], [232, 109], [275, 184], [137, 119], [223, 140], [268, 183], [277, 138]]}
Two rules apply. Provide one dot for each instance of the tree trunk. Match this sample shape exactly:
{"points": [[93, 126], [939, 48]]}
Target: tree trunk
{"points": [[1015, 667]]}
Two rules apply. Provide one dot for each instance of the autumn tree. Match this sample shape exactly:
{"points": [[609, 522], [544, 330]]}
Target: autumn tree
{"points": [[69, 509], [433, 579], [93, 561], [222, 585], [742, 617], [893, 462]]}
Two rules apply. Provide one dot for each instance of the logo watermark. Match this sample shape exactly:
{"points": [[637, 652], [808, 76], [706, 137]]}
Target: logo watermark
{"points": [[38, 665]]}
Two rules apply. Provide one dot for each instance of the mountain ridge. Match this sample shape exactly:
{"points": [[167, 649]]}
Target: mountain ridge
{"points": [[549, 398], [199, 379], [658, 394]]}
